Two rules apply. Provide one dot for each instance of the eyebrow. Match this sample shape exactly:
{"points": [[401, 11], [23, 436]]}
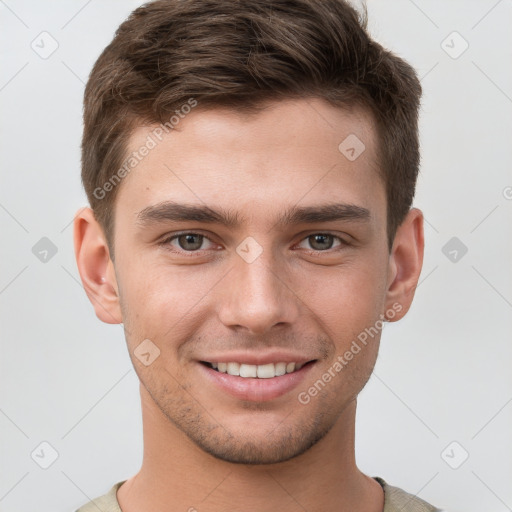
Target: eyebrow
{"points": [[170, 211]]}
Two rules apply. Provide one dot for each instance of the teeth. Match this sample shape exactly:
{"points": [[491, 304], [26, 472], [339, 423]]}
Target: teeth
{"points": [[248, 370], [280, 369], [233, 369], [262, 371], [290, 367], [266, 371]]}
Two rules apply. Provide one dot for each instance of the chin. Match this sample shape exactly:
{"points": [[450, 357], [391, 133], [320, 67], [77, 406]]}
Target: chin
{"points": [[259, 446], [257, 453]]}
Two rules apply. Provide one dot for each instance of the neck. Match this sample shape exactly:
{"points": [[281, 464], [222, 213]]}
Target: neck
{"points": [[177, 475]]}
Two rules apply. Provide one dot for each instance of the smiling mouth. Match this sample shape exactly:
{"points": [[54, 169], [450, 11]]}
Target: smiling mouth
{"points": [[261, 371]]}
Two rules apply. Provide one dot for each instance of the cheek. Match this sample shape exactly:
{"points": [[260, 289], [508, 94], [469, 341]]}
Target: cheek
{"points": [[160, 301], [346, 298]]}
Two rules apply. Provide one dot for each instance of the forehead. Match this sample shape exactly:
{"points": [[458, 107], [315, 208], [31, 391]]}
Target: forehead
{"points": [[292, 151]]}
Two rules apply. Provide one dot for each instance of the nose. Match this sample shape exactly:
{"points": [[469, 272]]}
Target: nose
{"points": [[257, 296]]}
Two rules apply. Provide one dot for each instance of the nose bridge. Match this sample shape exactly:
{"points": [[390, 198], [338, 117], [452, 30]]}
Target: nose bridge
{"points": [[256, 295]]}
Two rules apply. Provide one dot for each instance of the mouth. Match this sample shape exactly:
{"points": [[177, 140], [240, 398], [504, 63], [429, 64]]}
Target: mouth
{"points": [[256, 371], [255, 382]]}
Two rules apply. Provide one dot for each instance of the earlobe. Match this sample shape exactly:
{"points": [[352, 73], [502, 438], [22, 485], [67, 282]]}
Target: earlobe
{"points": [[405, 263], [95, 267]]}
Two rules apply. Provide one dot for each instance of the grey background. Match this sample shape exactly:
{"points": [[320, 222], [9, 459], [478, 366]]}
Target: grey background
{"points": [[443, 373]]}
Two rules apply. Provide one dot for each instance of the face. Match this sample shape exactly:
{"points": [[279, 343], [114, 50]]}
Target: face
{"points": [[247, 244]]}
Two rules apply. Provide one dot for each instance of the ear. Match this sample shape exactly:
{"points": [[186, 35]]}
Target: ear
{"points": [[405, 263], [95, 267]]}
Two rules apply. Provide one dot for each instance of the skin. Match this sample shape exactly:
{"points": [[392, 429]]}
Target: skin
{"points": [[203, 448]]}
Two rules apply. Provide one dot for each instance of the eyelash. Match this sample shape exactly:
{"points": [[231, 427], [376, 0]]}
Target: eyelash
{"points": [[166, 243]]}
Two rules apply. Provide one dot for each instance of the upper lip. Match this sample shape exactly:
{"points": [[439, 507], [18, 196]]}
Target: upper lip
{"points": [[257, 358]]}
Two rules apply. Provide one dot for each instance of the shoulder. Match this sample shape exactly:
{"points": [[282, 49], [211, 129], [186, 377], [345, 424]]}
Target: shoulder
{"points": [[106, 503], [398, 500]]}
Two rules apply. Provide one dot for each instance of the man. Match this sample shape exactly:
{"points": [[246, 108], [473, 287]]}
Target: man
{"points": [[250, 168]]}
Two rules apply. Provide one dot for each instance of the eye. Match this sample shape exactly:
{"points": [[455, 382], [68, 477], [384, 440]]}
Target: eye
{"points": [[323, 241], [188, 242]]}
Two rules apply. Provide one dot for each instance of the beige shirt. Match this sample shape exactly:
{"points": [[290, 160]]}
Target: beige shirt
{"points": [[395, 500]]}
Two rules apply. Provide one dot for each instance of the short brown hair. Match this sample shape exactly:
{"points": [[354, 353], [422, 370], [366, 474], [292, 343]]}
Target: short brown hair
{"points": [[240, 54]]}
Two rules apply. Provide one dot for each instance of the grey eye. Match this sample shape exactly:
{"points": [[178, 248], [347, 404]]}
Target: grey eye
{"points": [[321, 241], [190, 241]]}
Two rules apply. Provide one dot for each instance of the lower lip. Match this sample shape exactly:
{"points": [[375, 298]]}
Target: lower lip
{"points": [[254, 389]]}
